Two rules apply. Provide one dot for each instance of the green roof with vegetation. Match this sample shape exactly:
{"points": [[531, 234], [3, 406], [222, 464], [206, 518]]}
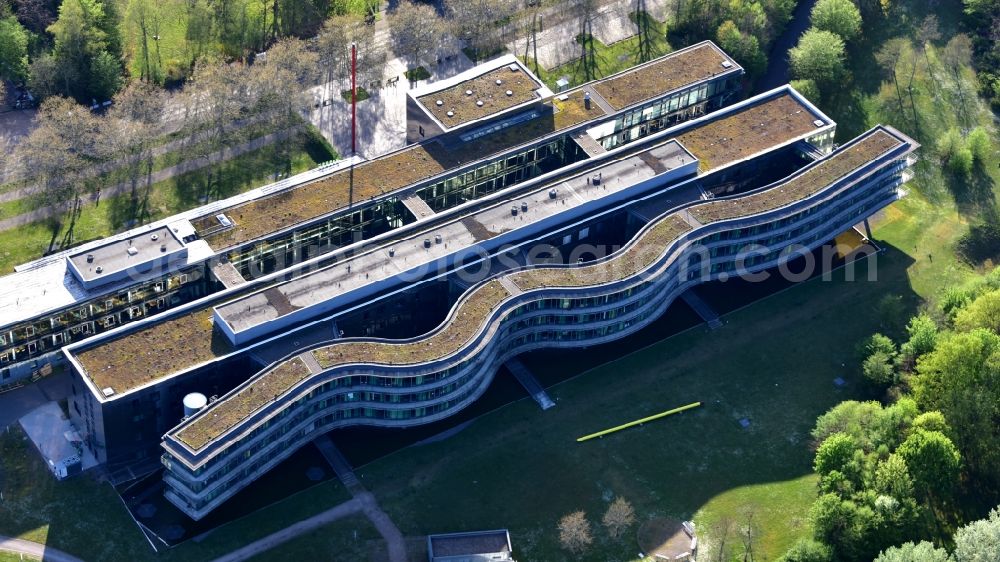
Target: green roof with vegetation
{"points": [[801, 186], [238, 406], [486, 89], [673, 71], [141, 357]]}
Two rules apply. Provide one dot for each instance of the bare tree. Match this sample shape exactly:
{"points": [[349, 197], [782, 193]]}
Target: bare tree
{"points": [[531, 21], [129, 130], [719, 546], [478, 23], [415, 31], [334, 45], [748, 532], [574, 532], [587, 11], [279, 87], [619, 517], [57, 153]]}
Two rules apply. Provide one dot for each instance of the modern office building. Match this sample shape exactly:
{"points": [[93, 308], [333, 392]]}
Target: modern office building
{"points": [[390, 294], [47, 304]]}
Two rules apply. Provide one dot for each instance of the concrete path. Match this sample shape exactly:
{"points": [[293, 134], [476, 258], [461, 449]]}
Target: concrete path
{"points": [[273, 540], [35, 550], [702, 308], [393, 537], [158, 176]]}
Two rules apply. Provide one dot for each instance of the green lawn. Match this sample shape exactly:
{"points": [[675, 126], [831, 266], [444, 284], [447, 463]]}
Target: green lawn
{"points": [[11, 557], [168, 197], [609, 58], [774, 362]]}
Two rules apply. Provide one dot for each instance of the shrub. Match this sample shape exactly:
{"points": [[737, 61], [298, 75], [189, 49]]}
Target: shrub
{"points": [[619, 517], [574, 532]]}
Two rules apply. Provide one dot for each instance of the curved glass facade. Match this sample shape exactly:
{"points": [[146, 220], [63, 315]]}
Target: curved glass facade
{"points": [[201, 477]]}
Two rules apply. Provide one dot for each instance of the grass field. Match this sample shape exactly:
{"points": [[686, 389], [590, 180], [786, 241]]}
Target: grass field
{"points": [[11, 557], [245, 172], [521, 468]]}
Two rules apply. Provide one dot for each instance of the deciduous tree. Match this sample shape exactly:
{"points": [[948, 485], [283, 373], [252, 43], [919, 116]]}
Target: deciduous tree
{"points": [[619, 517], [574, 532], [818, 56], [415, 31], [837, 16], [979, 541], [922, 551]]}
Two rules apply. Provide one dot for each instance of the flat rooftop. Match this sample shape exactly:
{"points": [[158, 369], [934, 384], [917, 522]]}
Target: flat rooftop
{"points": [[671, 72], [803, 184], [126, 363], [325, 285], [468, 544], [470, 315], [481, 92], [121, 255], [723, 139]]}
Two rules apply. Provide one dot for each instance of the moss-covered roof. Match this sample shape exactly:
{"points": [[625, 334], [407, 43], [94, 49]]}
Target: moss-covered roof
{"points": [[674, 71], [464, 107]]}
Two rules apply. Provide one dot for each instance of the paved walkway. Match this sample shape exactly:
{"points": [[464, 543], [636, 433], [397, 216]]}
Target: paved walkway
{"points": [[393, 537], [350, 507], [158, 176], [35, 550]]}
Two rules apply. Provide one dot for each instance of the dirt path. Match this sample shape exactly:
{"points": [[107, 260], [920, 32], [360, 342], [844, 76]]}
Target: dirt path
{"points": [[35, 550]]}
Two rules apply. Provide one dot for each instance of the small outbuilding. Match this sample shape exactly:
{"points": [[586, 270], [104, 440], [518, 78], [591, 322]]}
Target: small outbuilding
{"points": [[474, 546]]}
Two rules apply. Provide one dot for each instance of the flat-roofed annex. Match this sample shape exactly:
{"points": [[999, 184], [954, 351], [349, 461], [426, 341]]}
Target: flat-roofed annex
{"points": [[676, 70], [490, 93], [136, 254]]}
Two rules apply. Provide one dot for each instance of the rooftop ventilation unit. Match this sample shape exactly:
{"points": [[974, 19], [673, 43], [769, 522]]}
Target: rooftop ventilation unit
{"points": [[479, 103], [513, 210], [132, 250], [90, 258], [427, 242], [819, 123], [727, 64], [524, 206], [108, 392], [513, 67], [193, 403], [499, 81], [468, 92], [223, 220], [437, 239], [154, 237], [552, 193]]}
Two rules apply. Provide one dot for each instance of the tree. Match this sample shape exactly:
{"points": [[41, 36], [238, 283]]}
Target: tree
{"points": [[933, 461], [818, 56], [979, 541], [86, 57], [574, 532], [922, 551], [923, 334], [807, 550], [836, 453], [56, 154], [130, 128], [619, 517], [892, 478], [979, 144], [932, 421], [415, 31], [983, 312], [478, 23], [334, 46], [13, 50], [743, 47], [837, 16], [961, 379], [878, 369], [807, 88]]}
